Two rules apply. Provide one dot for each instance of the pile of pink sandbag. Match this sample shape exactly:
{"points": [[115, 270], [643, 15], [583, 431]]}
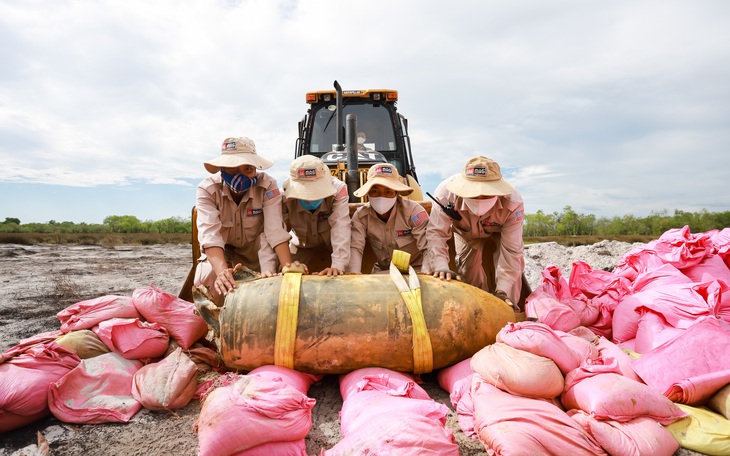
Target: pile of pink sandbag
{"points": [[386, 412], [112, 356], [537, 390], [668, 304]]}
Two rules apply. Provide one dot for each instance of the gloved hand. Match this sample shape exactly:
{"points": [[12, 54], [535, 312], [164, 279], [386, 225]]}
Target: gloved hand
{"points": [[503, 296], [446, 274]]}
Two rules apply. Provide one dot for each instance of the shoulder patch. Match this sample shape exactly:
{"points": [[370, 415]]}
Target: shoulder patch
{"points": [[342, 193], [519, 216], [271, 194], [420, 217]]}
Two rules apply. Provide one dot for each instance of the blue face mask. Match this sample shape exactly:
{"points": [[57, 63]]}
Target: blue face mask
{"points": [[238, 183], [310, 205]]}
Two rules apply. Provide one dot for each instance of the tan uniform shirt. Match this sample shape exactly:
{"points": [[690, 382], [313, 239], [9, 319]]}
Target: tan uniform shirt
{"points": [[506, 218], [404, 230], [328, 225], [237, 227]]}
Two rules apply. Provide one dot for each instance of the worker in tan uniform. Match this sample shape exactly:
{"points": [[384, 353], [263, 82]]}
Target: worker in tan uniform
{"points": [[388, 221], [234, 207], [482, 204], [316, 211]]}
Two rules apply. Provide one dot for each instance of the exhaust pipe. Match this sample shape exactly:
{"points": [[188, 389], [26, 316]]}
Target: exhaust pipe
{"points": [[347, 137]]}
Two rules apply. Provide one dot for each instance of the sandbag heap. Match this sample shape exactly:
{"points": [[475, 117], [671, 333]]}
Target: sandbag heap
{"points": [[632, 361], [112, 356]]}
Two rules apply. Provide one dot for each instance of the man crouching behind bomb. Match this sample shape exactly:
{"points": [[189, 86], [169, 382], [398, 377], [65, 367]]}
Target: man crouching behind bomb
{"points": [[234, 208], [485, 205]]}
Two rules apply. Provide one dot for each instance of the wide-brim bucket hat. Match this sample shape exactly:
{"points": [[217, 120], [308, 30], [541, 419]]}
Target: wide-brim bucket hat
{"points": [[386, 175], [236, 152], [309, 179], [481, 177]]}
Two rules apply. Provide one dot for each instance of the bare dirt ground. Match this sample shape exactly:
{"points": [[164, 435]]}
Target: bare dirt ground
{"points": [[38, 281]]}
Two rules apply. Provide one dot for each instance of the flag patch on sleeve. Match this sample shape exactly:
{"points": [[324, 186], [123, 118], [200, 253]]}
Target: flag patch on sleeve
{"points": [[272, 194], [420, 217], [518, 216], [342, 193]]}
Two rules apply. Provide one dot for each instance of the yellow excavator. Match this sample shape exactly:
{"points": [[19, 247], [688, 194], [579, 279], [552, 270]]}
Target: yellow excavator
{"points": [[330, 129]]}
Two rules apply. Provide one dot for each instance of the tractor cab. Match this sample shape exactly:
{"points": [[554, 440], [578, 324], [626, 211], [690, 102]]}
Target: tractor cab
{"points": [[371, 115]]}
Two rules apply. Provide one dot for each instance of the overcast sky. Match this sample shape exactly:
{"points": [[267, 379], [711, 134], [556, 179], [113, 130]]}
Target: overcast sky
{"points": [[611, 107]]}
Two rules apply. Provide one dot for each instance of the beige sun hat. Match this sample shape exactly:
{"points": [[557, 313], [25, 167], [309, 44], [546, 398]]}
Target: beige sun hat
{"points": [[481, 176], [309, 179], [236, 152], [386, 175]]}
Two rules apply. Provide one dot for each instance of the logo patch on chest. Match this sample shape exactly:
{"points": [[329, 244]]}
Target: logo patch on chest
{"points": [[254, 212], [400, 233]]}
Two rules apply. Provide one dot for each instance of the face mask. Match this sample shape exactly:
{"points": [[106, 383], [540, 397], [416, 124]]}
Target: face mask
{"points": [[480, 207], [381, 205], [238, 183], [310, 205], [360, 140]]}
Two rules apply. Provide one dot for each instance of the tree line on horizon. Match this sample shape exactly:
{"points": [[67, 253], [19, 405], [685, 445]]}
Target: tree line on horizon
{"points": [[565, 223]]}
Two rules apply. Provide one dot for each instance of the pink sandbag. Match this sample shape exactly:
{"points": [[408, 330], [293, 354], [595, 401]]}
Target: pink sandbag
{"points": [[380, 379], [514, 425], [539, 339], [98, 390], [25, 380], [599, 388], [293, 448], [688, 303], [517, 371], [586, 281], [653, 331], [721, 245], [636, 262], [712, 265], [360, 410], [554, 284], [456, 380], [607, 349], [298, 380], [547, 309], [249, 412], [175, 314], [698, 358], [89, 313], [404, 434], [641, 436], [166, 385], [679, 303], [681, 248], [132, 338], [25, 344], [451, 379], [666, 274]]}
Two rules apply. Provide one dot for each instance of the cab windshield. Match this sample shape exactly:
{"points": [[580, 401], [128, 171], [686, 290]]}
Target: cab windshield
{"points": [[372, 120]]}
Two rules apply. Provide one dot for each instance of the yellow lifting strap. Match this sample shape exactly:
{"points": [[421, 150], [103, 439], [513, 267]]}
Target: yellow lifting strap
{"points": [[287, 319], [411, 294]]}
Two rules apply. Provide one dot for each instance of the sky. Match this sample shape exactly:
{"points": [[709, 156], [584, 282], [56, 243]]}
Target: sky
{"points": [[611, 108]]}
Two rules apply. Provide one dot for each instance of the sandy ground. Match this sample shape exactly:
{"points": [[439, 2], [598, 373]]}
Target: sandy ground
{"points": [[38, 281]]}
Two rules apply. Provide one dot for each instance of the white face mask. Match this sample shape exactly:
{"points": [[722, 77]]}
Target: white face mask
{"points": [[381, 205], [360, 140], [480, 207]]}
